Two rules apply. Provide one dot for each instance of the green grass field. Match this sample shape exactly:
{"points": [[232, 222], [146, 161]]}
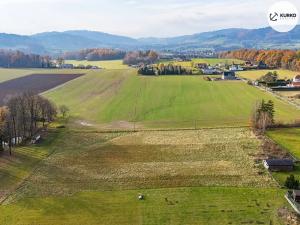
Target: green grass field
{"points": [[175, 206], [167, 101], [255, 74], [289, 139], [106, 64], [84, 174]]}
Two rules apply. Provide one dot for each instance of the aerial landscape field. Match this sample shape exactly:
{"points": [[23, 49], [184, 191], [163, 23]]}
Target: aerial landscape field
{"points": [[163, 101], [154, 112], [91, 162]]}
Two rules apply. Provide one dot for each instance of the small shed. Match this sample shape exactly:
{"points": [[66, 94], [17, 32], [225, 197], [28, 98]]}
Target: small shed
{"points": [[228, 75], [279, 164], [296, 195]]}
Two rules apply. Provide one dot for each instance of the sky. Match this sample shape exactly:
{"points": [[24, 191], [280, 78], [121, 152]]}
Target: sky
{"points": [[134, 18]]}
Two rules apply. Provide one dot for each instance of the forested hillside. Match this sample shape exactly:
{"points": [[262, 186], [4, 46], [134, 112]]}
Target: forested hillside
{"points": [[286, 59]]}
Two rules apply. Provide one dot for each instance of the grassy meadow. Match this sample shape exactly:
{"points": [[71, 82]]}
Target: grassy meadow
{"points": [[289, 139], [89, 160], [187, 177], [176, 206], [92, 171], [167, 101]]}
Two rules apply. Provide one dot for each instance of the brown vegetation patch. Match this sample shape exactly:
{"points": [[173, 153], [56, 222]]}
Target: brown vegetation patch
{"points": [[35, 83]]}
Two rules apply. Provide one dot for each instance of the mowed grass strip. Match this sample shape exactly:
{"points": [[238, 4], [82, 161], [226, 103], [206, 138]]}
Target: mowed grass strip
{"points": [[256, 74], [166, 101], [113, 161], [210, 206]]}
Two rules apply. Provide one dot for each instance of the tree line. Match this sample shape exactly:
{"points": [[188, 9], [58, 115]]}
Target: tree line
{"points": [[285, 59], [95, 54], [23, 116], [162, 69], [140, 57], [18, 59]]}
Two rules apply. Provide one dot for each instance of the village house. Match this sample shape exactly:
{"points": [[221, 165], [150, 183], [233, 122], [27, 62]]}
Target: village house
{"points": [[296, 82], [210, 71], [279, 164], [228, 75], [235, 67], [261, 65], [67, 66], [201, 65]]}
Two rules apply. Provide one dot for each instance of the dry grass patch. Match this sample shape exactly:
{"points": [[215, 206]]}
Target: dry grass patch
{"points": [[150, 159]]}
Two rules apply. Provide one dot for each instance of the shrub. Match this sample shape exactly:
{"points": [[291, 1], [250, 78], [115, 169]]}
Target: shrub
{"points": [[291, 182]]}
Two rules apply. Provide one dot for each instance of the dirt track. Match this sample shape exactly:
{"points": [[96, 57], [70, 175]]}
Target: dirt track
{"points": [[35, 83]]}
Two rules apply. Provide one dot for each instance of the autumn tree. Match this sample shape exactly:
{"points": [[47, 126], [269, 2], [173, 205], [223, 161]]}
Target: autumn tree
{"points": [[64, 110], [263, 115], [274, 58]]}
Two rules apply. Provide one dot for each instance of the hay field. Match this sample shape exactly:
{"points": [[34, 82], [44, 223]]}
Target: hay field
{"points": [[206, 176], [87, 160]]}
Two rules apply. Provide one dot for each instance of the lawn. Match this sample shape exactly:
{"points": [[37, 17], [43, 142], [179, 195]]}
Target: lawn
{"points": [[206, 205], [106, 64], [255, 74], [166, 101]]}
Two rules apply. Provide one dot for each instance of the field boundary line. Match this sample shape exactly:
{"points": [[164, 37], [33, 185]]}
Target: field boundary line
{"points": [[62, 85], [18, 186], [153, 130]]}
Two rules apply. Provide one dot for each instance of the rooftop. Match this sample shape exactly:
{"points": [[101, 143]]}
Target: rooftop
{"points": [[280, 162]]}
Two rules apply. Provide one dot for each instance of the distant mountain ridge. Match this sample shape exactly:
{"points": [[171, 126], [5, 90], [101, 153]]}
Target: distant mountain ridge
{"points": [[226, 39]]}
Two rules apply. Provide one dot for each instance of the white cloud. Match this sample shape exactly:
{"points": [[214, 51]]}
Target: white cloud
{"points": [[132, 17]]}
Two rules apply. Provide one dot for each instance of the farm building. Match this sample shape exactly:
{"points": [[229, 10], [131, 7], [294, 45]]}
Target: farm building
{"points": [[201, 65], [296, 195], [67, 66], [210, 71], [228, 75], [236, 68], [279, 164], [261, 65], [295, 82]]}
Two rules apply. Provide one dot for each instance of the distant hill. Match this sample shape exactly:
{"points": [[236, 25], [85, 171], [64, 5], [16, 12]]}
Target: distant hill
{"points": [[227, 39]]}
